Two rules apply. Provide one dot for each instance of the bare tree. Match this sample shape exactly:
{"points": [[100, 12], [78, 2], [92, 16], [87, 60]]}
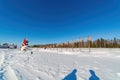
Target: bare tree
{"points": [[89, 42], [80, 43]]}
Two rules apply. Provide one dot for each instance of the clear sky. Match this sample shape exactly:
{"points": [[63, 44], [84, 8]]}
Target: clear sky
{"points": [[48, 21]]}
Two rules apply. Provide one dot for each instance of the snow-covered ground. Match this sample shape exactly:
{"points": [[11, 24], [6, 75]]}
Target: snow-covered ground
{"points": [[55, 64]]}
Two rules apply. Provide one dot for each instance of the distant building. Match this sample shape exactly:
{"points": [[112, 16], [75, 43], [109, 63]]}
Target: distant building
{"points": [[5, 45], [9, 46], [12, 46]]}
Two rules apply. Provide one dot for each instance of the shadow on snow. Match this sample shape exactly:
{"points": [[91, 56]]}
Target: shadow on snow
{"points": [[72, 75]]}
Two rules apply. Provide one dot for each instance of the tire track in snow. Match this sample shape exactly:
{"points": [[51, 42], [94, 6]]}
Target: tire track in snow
{"points": [[10, 74], [6, 72], [1, 62], [1, 59]]}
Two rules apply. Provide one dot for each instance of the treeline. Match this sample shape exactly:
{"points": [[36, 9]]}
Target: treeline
{"points": [[99, 43]]}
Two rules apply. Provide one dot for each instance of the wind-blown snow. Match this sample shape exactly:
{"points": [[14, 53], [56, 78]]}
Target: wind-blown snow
{"points": [[55, 64]]}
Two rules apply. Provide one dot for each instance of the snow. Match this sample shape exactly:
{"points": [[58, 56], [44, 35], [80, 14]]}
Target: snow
{"points": [[55, 64], [10, 74], [1, 59]]}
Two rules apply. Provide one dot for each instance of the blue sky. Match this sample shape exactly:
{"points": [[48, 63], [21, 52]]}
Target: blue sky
{"points": [[48, 21]]}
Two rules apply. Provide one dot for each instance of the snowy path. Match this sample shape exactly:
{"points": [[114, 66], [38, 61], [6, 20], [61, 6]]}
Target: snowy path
{"points": [[55, 65]]}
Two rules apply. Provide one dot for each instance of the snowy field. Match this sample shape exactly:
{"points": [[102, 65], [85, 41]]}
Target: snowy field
{"points": [[55, 64]]}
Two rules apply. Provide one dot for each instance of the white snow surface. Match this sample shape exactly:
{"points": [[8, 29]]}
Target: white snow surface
{"points": [[55, 64]]}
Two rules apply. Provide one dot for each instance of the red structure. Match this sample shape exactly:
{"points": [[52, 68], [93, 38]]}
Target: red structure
{"points": [[24, 44]]}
